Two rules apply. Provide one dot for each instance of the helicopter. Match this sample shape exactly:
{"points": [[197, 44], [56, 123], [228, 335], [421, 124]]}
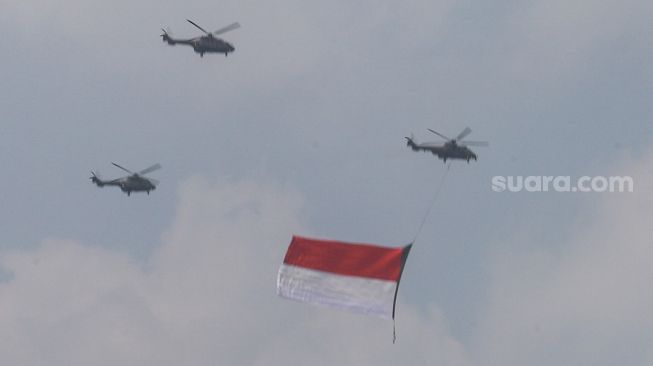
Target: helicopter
{"points": [[452, 149], [135, 182], [204, 44]]}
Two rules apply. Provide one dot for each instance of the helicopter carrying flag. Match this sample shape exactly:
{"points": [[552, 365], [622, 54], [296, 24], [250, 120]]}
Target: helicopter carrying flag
{"points": [[455, 148], [362, 278]]}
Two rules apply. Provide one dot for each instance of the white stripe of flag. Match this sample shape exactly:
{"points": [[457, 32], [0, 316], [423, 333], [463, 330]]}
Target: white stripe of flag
{"points": [[357, 294]]}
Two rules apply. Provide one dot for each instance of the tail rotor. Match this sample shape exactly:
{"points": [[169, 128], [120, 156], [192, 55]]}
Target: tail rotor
{"points": [[95, 178], [166, 36], [410, 142]]}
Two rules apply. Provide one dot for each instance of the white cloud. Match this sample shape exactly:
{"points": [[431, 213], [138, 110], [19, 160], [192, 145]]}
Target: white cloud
{"points": [[206, 295], [589, 302]]}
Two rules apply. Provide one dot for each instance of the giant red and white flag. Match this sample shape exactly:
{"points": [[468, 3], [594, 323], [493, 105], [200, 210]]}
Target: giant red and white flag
{"points": [[362, 278]]}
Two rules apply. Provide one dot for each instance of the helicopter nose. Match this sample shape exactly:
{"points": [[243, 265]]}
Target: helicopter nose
{"points": [[231, 47]]}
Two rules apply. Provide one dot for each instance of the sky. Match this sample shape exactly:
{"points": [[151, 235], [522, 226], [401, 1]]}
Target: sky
{"points": [[301, 131]]}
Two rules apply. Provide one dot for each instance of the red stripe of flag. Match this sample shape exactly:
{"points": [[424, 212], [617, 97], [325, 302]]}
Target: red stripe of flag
{"points": [[349, 259]]}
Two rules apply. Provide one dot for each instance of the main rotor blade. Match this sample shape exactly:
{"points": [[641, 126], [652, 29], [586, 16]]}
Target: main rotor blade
{"points": [[150, 169], [226, 29], [123, 168], [475, 143], [200, 28], [439, 134], [464, 133], [153, 181]]}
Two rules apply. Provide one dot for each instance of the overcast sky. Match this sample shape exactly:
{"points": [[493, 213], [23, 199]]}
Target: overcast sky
{"points": [[300, 131]]}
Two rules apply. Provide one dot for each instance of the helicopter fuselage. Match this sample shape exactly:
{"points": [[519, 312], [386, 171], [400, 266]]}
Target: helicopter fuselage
{"points": [[208, 43], [444, 152], [132, 183], [136, 183], [204, 44]]}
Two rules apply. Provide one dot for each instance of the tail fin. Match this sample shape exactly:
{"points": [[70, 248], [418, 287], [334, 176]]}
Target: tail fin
{"points": [[96, 179], [410, 141], [167, 37]]}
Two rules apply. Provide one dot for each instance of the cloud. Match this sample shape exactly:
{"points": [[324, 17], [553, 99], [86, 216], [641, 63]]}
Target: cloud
{"points": [[206, 295], [588, 301], [306, 74], [559, 39]]}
